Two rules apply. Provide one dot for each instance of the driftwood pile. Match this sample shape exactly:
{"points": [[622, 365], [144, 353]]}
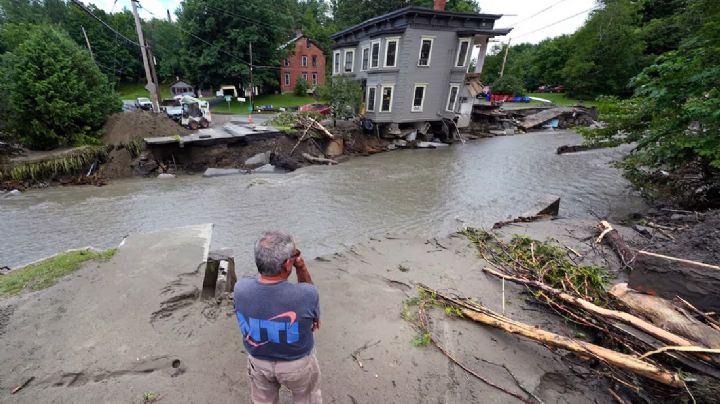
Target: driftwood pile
{"points": [[311, 129], [652, 349]]}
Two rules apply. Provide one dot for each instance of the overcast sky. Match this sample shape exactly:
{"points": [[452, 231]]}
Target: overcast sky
{"points": [[522, 13]]}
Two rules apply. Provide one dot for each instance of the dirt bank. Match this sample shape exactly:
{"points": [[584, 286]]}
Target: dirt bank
{"points": [[124, 127], [87, 340]]}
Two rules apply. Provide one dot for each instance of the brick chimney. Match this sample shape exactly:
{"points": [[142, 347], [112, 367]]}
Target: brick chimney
{"points": [[439, 5]]}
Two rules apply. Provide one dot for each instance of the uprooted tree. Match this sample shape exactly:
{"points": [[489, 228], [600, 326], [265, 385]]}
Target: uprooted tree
{"points": [[344, 95], [56, 95]]}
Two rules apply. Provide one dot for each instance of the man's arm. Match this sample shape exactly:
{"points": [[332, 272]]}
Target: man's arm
{"points": [[303, 275]]}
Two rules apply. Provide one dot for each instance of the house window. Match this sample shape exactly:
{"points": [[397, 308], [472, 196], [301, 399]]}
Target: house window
{"points": [[287, 79], [418, 97], [349, 59], [314, 60], [371, 99], [391, 48], [336, 62], [314, 79], [386, 98], [425, 51], [304, 61], [462, 52], [375, 54], [304, 76], [307, 43], [452, 97], [365, 59], [287, 62]]}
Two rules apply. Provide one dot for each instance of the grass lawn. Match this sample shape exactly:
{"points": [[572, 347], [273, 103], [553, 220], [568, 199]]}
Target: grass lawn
{"points": [[276, 100], [131, 91], [559, 99], [46, 273]]}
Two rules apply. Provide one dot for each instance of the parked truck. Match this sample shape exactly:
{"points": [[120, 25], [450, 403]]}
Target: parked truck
{"points": [[188, 111]]}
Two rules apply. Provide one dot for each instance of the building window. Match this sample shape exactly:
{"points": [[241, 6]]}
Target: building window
{"points": [[349, 59], [304, 76], [314, 79], [287, 62], [287, 79], [425, 51], [314, 60], [462, 52], [336, 62], [371, 99], [375, 54], [307, 43], [304, 61], [391, 48], [452, 97], [365, 59], [386, 98], [418, 97]]}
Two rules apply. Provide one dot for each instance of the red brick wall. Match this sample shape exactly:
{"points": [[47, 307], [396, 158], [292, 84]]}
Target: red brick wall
{"points": [[296, 69]]}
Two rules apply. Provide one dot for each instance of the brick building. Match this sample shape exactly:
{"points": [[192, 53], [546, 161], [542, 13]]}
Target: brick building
{"points": [[305, 59]]}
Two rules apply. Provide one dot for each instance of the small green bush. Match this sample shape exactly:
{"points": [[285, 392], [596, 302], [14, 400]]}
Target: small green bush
{"points": [[301, 87]]}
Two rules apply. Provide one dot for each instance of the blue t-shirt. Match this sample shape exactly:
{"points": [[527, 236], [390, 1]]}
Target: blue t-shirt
{"points": [[276, 319]]}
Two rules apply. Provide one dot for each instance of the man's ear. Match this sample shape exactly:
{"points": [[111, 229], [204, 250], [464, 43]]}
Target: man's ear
{"points": [[287, 266]]}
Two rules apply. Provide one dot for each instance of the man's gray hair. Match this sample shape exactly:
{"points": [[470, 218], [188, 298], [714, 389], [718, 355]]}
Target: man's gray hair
{"points": [[272, 250]]}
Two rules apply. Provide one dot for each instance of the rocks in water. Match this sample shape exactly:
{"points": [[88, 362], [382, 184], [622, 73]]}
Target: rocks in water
{"points": [[14, 192], [165, 176], [283, 162], [267, 169], [221, 172], [258, 160]]}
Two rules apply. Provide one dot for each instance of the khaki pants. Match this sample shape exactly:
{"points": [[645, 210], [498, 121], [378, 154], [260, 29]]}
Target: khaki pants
{"points": [[301, 377]]}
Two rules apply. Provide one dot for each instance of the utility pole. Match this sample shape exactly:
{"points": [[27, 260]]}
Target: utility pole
{"points": [[87, 41], [252, 86], [153, 71], [148, 75], [507, 48], [168, 13]]}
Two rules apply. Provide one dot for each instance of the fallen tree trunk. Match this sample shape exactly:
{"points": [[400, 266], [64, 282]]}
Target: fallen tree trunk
{"points": [[667, 277], [616, 242], [667, 316], [626, 318], [318, 160], [617, 359]]}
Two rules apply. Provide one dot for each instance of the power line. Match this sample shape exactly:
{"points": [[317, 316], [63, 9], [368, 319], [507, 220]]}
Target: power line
{"points": [[555, 23], [85, 9], [538, 13]]}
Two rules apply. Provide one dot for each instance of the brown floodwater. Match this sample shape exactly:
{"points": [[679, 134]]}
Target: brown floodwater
{"points": [[422, 193]]}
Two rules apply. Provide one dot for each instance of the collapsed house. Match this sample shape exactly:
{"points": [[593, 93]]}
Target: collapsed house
{"points": [[412, 64]]}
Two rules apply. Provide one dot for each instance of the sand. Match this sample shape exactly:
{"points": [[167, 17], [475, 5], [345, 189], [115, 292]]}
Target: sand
{"points": [[117, 329]]}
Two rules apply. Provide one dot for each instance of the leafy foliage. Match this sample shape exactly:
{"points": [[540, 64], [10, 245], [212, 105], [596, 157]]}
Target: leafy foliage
{"points": [[508, 85], [301, 87], [56, 95], [343, 93]]}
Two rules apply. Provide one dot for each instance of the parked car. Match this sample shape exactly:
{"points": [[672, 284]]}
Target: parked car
{"points": [[559, 89], [322, 109], [144, 103]]}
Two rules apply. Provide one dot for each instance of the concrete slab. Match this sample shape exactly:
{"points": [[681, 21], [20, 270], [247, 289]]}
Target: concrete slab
{"points": [[227, 133]]}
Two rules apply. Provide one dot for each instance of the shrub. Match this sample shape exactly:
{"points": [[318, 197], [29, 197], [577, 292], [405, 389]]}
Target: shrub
{"points": [[301, 87]]}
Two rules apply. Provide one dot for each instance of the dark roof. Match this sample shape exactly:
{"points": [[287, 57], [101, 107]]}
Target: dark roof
{"points": [[180, 81], [414, 10]]}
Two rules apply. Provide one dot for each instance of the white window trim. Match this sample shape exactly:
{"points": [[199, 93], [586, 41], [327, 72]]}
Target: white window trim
{"points": [[304, 76], [362, 51], [457, 93], [287, 79], [372, 44], [367, 99], [395, 39], [352, 63], [432, 42], [467, 53], [422, 102], [336, 62], [392, 96], [314, 79], [303, 61]]}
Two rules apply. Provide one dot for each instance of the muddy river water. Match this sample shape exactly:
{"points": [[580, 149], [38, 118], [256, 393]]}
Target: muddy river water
{"points": [[418, 192]]}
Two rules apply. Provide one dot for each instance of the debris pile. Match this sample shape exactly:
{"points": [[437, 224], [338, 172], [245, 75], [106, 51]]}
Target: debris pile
{"points": [[494, 120], [650, 348]]}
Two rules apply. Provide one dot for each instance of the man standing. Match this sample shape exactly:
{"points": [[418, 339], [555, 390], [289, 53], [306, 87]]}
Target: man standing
{"points": [[277, 320]]}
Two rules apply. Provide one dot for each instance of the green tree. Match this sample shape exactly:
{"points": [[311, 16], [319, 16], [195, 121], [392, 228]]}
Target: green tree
{"points": [[342, 93], [508, 85], [301, 87], [56, 95], [674, 115], [608, 52]]}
